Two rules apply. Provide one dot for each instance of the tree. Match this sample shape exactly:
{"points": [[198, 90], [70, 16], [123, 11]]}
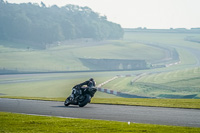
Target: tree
{"points": [[43, 24], [43, 5]]}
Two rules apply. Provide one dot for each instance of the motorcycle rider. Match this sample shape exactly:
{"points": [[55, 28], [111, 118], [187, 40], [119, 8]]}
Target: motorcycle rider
{"points": [[77, 88]]}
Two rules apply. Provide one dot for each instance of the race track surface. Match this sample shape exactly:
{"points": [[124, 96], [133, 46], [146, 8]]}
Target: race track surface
{"points": [[137, 114]]}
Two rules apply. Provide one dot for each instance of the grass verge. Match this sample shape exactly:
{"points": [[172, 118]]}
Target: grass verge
{"points": [[20, 123], [171, 103]]}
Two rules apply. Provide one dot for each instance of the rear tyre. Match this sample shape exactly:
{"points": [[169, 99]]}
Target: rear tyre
{"points": [[84, 101]]}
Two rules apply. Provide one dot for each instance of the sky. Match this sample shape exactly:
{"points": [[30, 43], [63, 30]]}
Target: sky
{"points": [[151, 14]]}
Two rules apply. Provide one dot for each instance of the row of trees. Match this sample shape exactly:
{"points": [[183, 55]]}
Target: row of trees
{"points": [[38, 23]]}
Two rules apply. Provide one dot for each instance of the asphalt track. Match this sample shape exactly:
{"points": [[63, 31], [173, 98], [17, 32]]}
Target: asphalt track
{"points": [[135, 114]]}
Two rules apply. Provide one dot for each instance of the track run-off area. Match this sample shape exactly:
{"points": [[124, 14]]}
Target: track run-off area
{"points": [[134, 114]]}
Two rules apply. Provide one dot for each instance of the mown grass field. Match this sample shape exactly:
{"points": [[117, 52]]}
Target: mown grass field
{"points": [[58, 87], [47, 85], [174, 84], [19, 123], [177, 40], [65, 57]]}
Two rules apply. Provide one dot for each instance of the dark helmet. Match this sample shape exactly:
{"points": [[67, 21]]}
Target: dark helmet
{"points": [[91, 79]]}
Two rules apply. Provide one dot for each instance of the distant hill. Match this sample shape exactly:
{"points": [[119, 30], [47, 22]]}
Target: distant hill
{"points": [[176, 30], [41, 24]]}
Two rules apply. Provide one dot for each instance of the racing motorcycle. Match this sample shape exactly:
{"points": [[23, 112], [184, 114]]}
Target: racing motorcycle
{"points": [[82, 98]]}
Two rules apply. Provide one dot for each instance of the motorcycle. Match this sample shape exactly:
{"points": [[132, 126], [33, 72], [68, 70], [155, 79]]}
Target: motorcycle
{"points": [[82, 98]]}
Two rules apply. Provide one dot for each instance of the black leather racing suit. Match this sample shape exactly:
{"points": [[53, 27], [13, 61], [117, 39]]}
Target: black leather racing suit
{"points": [[76, 90]]}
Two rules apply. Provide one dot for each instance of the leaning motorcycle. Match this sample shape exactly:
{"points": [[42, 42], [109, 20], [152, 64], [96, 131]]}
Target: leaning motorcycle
{"points": [[83, 98]]}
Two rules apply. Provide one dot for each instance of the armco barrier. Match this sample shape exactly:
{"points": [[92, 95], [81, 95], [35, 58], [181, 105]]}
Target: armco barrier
{"points": [[109, 91], [117, 93]]}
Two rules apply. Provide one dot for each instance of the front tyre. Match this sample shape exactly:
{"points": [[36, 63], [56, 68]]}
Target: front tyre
{"points": [[67, 102], [85, 100]]}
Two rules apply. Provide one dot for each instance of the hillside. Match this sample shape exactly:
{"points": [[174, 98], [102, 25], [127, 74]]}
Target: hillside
{"points": [[39, 25]]}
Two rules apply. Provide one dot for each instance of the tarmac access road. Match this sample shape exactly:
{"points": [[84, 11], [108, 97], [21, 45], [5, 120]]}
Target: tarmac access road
{"points": [[135, 114]]}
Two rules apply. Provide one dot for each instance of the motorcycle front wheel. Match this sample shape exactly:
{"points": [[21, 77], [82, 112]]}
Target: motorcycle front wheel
{"points": [[67, 102], [84, 101]]}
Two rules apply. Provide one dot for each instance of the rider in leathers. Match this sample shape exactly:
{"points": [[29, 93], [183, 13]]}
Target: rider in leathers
{"points": [[77, 89]]}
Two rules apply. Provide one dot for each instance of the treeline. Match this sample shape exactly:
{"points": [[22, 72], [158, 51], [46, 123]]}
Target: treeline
{"points": [[171, 30], [41, 24]]}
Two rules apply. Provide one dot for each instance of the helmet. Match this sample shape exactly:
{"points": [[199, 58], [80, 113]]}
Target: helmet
{"points": [[91, 79]]}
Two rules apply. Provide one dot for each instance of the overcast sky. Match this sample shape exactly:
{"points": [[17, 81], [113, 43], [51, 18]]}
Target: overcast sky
{"points": [[152, 14]]}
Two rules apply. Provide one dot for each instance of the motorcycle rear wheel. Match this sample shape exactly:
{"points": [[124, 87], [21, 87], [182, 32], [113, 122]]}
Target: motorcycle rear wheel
{"points": [[85, 101]]}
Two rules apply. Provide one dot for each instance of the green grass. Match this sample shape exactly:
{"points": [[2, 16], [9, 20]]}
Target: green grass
{"points": [[18, 123], [49, 85], [172, 103], [174, 84], [182, 82], [176, 40], [39, 60], [121, 50], [66, 56]]}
